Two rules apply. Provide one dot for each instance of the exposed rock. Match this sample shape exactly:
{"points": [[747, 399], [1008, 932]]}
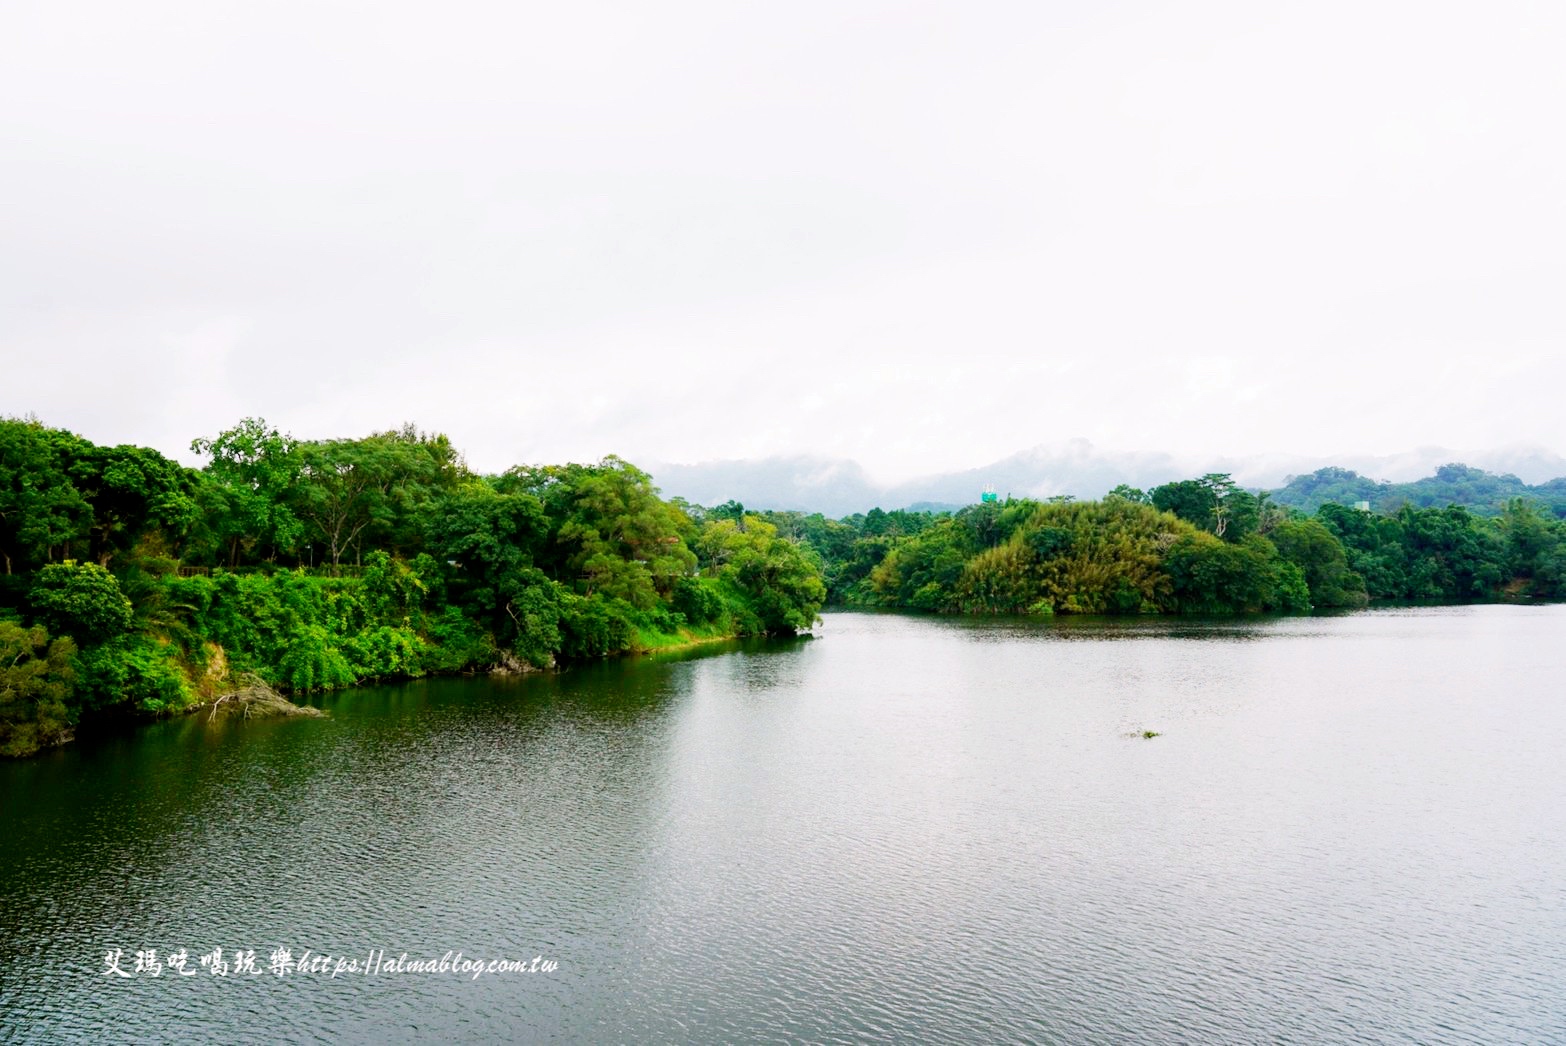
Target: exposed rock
{"points": [[511, 665], [256, 700]]}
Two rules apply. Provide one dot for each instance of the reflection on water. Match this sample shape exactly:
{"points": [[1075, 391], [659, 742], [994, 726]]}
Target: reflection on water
{"points": [[1350, 829]]}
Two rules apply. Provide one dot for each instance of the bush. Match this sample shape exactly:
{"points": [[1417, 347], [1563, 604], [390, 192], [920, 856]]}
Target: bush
{"points": [[36, 690], [313, 662], [385, 651], [698, 599], [595, 626], [457, 643], [81, 600], [134, 671]]}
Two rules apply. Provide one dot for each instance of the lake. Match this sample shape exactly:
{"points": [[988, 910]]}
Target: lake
{"points": [[1347, 829]]}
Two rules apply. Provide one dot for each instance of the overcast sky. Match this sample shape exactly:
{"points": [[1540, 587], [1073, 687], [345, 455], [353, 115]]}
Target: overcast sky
{"points": [[919, 235]]}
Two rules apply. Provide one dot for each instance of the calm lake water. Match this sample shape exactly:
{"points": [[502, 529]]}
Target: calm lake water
{"points": [[1350, 829]]}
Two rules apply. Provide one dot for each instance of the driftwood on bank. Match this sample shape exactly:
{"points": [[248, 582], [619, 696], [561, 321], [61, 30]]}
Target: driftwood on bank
{"points": [[255, 700]]}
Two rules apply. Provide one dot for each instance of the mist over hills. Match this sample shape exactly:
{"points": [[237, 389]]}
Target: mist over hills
{"points": [[839, 487]]}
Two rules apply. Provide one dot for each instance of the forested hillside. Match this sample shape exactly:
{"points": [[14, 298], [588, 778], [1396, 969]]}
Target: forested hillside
{"points": [[1196, 546], [134, 585], [1485, 493]]}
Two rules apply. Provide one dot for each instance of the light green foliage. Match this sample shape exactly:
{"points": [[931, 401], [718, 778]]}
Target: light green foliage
{"points": [[36, 689], [313, 633], [1100, 557], [136, 671], [390, 589], [313, 660], [998, 581], [778, 579]]}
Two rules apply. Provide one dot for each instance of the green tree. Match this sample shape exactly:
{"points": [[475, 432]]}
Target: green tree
{"points": [[1213, 503], [778, 579], [1309, 545], [82, 600], [133, 491], [613, 536], [256, 468], [40, 508], [346, 487], [36, 690], [1129, 493], [487, 541]]}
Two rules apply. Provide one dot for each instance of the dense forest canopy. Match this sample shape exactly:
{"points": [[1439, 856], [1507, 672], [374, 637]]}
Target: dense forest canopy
{"points": [[133, 585]]}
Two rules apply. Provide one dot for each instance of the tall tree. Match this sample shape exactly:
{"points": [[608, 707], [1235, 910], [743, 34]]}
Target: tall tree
{"points": [[133, 491], [40, 508], [612, 534], [256, 468]]}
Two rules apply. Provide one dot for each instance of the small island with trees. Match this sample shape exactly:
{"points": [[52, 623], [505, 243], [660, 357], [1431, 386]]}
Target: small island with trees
{"points": [[133, 587]]}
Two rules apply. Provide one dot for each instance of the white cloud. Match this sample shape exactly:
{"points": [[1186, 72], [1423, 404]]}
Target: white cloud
{"points": [[924, 236]]}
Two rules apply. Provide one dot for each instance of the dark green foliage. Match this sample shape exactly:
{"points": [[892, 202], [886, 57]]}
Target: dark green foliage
{"points": [[41, 511], [1209, 576], [1213, 503], [1447, 554], [535, 612], [134, 492], [697, 600], [82, 600], [595, 626], [1535, 547], [1308, 544]]}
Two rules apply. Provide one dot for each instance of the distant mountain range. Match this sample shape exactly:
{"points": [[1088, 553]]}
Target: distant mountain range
{"points": [[838, 487]]}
